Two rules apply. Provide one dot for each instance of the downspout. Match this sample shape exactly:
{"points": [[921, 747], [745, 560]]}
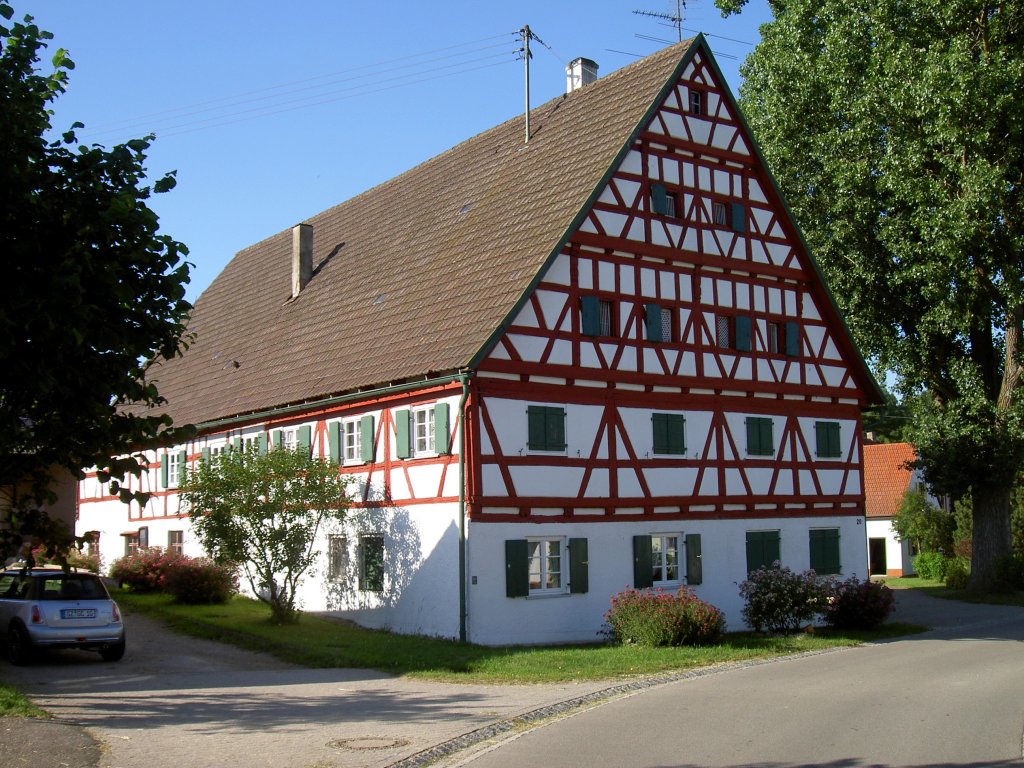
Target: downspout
{"points": [[463, 447]]}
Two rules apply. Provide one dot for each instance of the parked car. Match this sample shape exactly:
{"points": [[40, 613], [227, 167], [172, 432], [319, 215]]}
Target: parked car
{"points": [[50, 608]]}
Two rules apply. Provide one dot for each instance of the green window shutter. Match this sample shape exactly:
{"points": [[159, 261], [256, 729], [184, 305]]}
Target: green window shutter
{"points": [[261, 443], [694, 563], [760, 441], [738, 218], [205, 456], [659, 199], [653, 317], [277, 438], [643, 562], [236, 444], [762, 549], [742, 333], [792, 338], [182, 466], [669, 433], [366, 448], [441, 428], [334, 441], [579, 567], [163, 470], [517, 568], [590, 308], [403, 446], [826, 438], [556, 429], [545, 428], [305, 441], [824, 546]]}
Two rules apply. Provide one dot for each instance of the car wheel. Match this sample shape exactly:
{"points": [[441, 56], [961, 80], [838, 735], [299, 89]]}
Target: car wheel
{"points": [[113, 652], [19, 646]]}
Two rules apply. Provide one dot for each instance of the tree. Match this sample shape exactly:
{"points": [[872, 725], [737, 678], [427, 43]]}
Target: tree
{"points": [[921, 522], [93, 295], [263, 512], [897, 137]]}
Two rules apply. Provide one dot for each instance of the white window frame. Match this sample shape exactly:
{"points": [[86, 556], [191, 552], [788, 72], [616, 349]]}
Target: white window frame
{"points": [[350, 441], [173, 469], [661, 558], [421, 428], [337, 557], [606, 318], [538, 548], [176, 547], [290, 438]]}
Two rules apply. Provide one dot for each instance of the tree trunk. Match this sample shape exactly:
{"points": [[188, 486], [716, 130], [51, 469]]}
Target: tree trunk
{"points": [[991, 537]]}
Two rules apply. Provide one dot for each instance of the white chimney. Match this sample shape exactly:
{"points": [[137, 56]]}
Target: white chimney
{"points": [[579, 72], [302, 257]]}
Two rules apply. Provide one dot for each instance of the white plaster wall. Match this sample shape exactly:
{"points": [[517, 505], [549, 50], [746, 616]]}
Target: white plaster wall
{"points": [[897, 553], [495, 619]]}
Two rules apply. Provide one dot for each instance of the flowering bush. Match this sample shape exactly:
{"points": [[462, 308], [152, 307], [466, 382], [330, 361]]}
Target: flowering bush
{"points": [[856, 604], [144, 570], [654, 618], [779, 600], [200, 581]]}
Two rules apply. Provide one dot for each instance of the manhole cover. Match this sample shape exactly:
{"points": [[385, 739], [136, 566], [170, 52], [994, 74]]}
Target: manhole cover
{"points": [[365, 743]]}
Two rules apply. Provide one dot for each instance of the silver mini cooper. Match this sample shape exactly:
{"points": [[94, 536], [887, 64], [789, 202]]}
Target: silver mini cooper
{"points": [[51, 608]]}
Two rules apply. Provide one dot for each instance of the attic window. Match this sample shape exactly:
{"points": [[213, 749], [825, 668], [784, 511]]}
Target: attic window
{"points": [[697, 102]]}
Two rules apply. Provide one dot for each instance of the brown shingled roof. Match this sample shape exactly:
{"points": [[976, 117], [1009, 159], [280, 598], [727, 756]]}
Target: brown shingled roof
{"points": [[412, 277], [886, 477]]}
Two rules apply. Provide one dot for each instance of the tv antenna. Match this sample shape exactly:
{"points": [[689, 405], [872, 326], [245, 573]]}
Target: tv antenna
{"points": [[676, 19]]}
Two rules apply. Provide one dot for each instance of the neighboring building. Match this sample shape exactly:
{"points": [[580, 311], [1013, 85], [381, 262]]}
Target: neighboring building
{"points": [[599, 359], [887, 478]]}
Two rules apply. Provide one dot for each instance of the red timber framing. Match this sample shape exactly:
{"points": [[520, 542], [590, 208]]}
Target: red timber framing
{"points": [[724, 248]]}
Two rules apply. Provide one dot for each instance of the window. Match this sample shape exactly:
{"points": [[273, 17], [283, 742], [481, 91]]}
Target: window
{"points": [[290, 439], [733, 332], [546, 566], [131, 544], [597, 316], [759, 436], [371, 563], [663, 201], [824, 546], [718, 214], [172, 468], [658, 320], [773, 338], [545, 428], [733, 215], [696, 102], [826, 438], [664, 559], [176, 542], [337, 557], [657, 559], [762, 549], [669, 433], [423, 431], [350, 440]]}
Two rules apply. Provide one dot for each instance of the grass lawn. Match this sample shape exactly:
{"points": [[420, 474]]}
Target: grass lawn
{"points": [[938, 589], [322, 642], [14, 704]]}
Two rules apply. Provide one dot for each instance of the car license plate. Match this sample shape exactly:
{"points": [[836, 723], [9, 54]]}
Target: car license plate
{"points": [[78, 613]]}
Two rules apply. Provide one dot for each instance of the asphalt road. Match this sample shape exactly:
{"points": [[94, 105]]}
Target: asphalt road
{"points": [[950, 697]]}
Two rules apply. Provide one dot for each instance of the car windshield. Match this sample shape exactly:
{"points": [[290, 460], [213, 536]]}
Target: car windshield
{"points": [[71, 587]]}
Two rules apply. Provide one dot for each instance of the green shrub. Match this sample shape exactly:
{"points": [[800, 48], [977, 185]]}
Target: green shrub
{"points": [[84, 561], [200, 581], [656, 618], [144, 570], [1009, 574], [931, 565], [855, 604], [779, 600], [957, 569]]}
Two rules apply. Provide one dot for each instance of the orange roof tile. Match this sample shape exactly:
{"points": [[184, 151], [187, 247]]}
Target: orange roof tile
{"points": [[886, 477]]}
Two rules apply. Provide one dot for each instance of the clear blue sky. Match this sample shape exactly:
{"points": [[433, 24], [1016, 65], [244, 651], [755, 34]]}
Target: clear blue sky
{"points": [[272, 112]]}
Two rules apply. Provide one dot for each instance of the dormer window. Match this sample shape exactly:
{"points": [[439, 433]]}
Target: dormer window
{"points": [[663, 201]]}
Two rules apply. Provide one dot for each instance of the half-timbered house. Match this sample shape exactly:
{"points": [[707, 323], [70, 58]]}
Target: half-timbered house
{"points": [[558, 368]]}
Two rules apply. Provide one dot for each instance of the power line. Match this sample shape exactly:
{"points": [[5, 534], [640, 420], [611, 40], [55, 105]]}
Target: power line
{"points": [[274, 93]]}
